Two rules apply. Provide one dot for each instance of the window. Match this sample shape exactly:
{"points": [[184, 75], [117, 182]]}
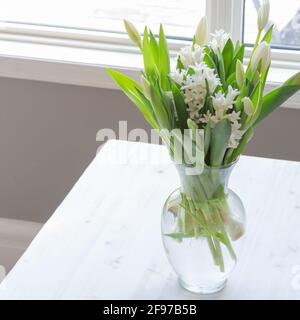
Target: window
{"points": [[285, 15], [66, 41], [179, 17]]}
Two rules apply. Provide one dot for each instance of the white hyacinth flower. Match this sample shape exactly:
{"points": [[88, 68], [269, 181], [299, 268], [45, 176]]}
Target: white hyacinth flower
{"points": [[262, 54], [194, 87], [263, 15], [231, 95], [177, 76], [191, 55], [222, 104], [201, 32], [218, 41], [236, 134]]}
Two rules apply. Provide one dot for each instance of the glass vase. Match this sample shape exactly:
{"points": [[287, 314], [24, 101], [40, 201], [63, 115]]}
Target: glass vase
{"points": [[203, 222]]}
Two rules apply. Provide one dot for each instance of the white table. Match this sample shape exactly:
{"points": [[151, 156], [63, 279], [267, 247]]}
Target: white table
{"points": [[103, 241]]}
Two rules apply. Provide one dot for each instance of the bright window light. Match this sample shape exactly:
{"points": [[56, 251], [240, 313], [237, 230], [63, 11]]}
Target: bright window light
{"points": [[179, 17], [285, 15]]}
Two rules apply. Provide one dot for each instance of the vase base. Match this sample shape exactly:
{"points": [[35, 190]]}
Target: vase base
{"points": [[202, 289]]}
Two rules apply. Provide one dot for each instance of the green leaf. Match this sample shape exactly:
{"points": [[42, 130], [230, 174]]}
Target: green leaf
{"points": [[220, 135], [227, 55], [221, 70], [264, 77], [154, 48], [131, 88], [151, 119], [257, 99], [209, 62], [168, 102], [159, 109], [179, 64], [149, 65], [164, 60], [239, 55], [268, 36], [181, 107], [149, 56], [278, 96], [231, 78], [207, 137]]}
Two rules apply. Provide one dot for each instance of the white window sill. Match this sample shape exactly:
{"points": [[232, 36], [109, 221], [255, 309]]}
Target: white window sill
{"points": [[71, 64]]}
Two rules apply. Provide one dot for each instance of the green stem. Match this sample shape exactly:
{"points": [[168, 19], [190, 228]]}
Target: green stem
{"points": [[227, 241], [206, 212], [213, 250], [219, 254]]}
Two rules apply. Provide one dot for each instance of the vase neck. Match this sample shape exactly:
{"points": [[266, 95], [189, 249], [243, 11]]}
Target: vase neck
{"points": [[206, 184]]}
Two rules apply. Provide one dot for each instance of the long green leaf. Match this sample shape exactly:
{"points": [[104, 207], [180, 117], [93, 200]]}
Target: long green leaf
{"points": [[227, 55], [220, 135], [221, 70], [181, 108], [154, 49], [207, 136], [239, 55], [152, 119], [149, 64], [164, 60], [159, 109], [278, 96], [131, 88], [257, 99], [209, 62]]}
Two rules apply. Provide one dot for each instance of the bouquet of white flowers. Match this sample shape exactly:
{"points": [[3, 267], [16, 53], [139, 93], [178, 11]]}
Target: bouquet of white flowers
{"points": [[209, 89]]}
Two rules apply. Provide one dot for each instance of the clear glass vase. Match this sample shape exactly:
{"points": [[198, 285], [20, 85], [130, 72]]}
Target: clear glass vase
{"points": [[202, 224]]}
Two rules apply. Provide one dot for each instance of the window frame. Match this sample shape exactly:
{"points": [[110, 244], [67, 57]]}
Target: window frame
{"points": [[64, 42]]}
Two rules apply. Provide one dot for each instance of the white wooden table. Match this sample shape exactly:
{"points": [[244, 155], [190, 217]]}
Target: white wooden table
{"points": [[103, 241]]}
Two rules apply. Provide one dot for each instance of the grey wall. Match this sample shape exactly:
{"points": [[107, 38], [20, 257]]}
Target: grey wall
{"points": [[48, 137]]}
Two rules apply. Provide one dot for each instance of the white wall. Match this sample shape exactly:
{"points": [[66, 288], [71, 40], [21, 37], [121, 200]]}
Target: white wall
{"points": [[48, 137]]}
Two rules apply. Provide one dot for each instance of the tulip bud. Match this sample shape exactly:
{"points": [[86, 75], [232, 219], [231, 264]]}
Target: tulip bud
{"points": [[239, 73], [263, 15], [133, 33], [262, 56], [201, 32], [256, 77], [146, 86], [248, 106]]}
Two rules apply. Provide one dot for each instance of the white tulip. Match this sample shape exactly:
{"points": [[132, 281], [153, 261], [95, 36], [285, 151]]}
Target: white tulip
{"points": [[133, 33], [262, 54], [239, 73], [248, 106], [256, 77], [146, 86], [263, 15], [201, 32]]}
